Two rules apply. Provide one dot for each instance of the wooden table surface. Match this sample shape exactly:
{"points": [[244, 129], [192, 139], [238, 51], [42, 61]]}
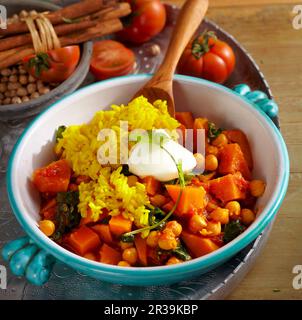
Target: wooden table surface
{"points": [[264, 28]]}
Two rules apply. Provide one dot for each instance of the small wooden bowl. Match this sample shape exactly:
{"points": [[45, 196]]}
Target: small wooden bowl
{"points": [[32, 107]]}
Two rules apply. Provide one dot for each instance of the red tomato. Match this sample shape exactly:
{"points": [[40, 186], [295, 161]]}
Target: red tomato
{"points": [[111, 59], [209, 58], [147, 19], [55, 66], [53, 178]]}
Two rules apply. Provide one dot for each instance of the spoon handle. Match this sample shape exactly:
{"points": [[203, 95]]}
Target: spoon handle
{"points": [[189, 19]]}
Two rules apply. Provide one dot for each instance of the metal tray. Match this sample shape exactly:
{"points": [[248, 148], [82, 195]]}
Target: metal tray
{"points": [[66, 283]]}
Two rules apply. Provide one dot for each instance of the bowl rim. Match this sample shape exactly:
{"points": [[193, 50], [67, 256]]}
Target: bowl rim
{"points": [[223, 253], [30, 106]]}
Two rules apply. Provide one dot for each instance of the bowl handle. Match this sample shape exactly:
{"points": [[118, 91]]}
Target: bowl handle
{"points": [[26, 259], [259, 98]]}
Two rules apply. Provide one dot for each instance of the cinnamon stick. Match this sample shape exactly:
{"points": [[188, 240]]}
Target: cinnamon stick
{"points": [[99, 30], [117, 11], [73, 11]]}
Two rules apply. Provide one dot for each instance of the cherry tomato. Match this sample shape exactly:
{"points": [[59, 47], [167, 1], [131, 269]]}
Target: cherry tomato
{"points": [[55, 66], [111, 59], [147, 19], [209, 58]]}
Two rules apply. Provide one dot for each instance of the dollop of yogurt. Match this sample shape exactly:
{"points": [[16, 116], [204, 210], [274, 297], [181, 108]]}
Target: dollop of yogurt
{"points": [[150, 158]]}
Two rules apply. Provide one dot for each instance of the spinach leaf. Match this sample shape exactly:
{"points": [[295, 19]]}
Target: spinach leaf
{"points": [[105, 220], [213, 131], [232, 230], [181, 253], [59, 133], [67, 214], [125, 170]]}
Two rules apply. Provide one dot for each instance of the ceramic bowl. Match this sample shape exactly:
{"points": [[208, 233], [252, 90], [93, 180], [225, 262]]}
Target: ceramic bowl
{"points": [[32, 107], [227, 108]]}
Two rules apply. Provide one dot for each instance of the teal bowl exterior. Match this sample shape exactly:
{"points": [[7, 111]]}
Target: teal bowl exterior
{"points": [[35, 255]]}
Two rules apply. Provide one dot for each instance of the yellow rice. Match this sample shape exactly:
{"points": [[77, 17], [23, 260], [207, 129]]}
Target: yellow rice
{"points": [[109, 188]]}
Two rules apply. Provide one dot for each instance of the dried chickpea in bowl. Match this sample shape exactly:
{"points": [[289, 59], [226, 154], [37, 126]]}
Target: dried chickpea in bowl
{"points": [[18, 86]]}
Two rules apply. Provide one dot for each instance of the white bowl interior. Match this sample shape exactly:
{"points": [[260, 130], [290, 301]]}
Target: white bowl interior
{"points": [[203, 99]]}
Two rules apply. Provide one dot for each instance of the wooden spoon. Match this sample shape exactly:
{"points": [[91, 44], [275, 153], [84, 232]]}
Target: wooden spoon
{"points": [[160, 86]]}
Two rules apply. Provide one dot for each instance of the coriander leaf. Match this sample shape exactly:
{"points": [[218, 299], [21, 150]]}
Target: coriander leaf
{"points": [[127, 238], [59, 133], [213, 131], [232, 230]]}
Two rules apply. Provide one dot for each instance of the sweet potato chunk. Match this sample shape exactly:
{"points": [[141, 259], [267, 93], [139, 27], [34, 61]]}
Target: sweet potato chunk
{"points": [[103, 232], [197, 244], [185, 118], [229, 187], [192, 197], [83, 240], [119, 225], [232, 160], [109, 255], [237, 136]]}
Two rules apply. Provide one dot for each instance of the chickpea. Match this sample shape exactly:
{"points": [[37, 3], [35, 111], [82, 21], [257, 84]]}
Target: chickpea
{"points": [[167, 241], [211, 162], [200, 161], [1, 96], [7, 100], [7, 94], [132, 180], [6, 72], [220, 141], [34, 95], [130, 255], [23, 79], [173, 260], [47, 227], [33, 13], [212, 150], [13, 86], [213, 228], [123, 264], [25, 99], [4, 79], [220, 215], [40, 84], [197, 223], [31, 79], [21, 92], [23, 14], [211, 206], [175, 227], [234, 209], [125, 245], [12, 93], [158, 200], [152, 239], [257, 188], [247, 216], [43, 90], [3, 87], [31, 88], [14, 71], [16, 100], [13, 78], [90, 256]]}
